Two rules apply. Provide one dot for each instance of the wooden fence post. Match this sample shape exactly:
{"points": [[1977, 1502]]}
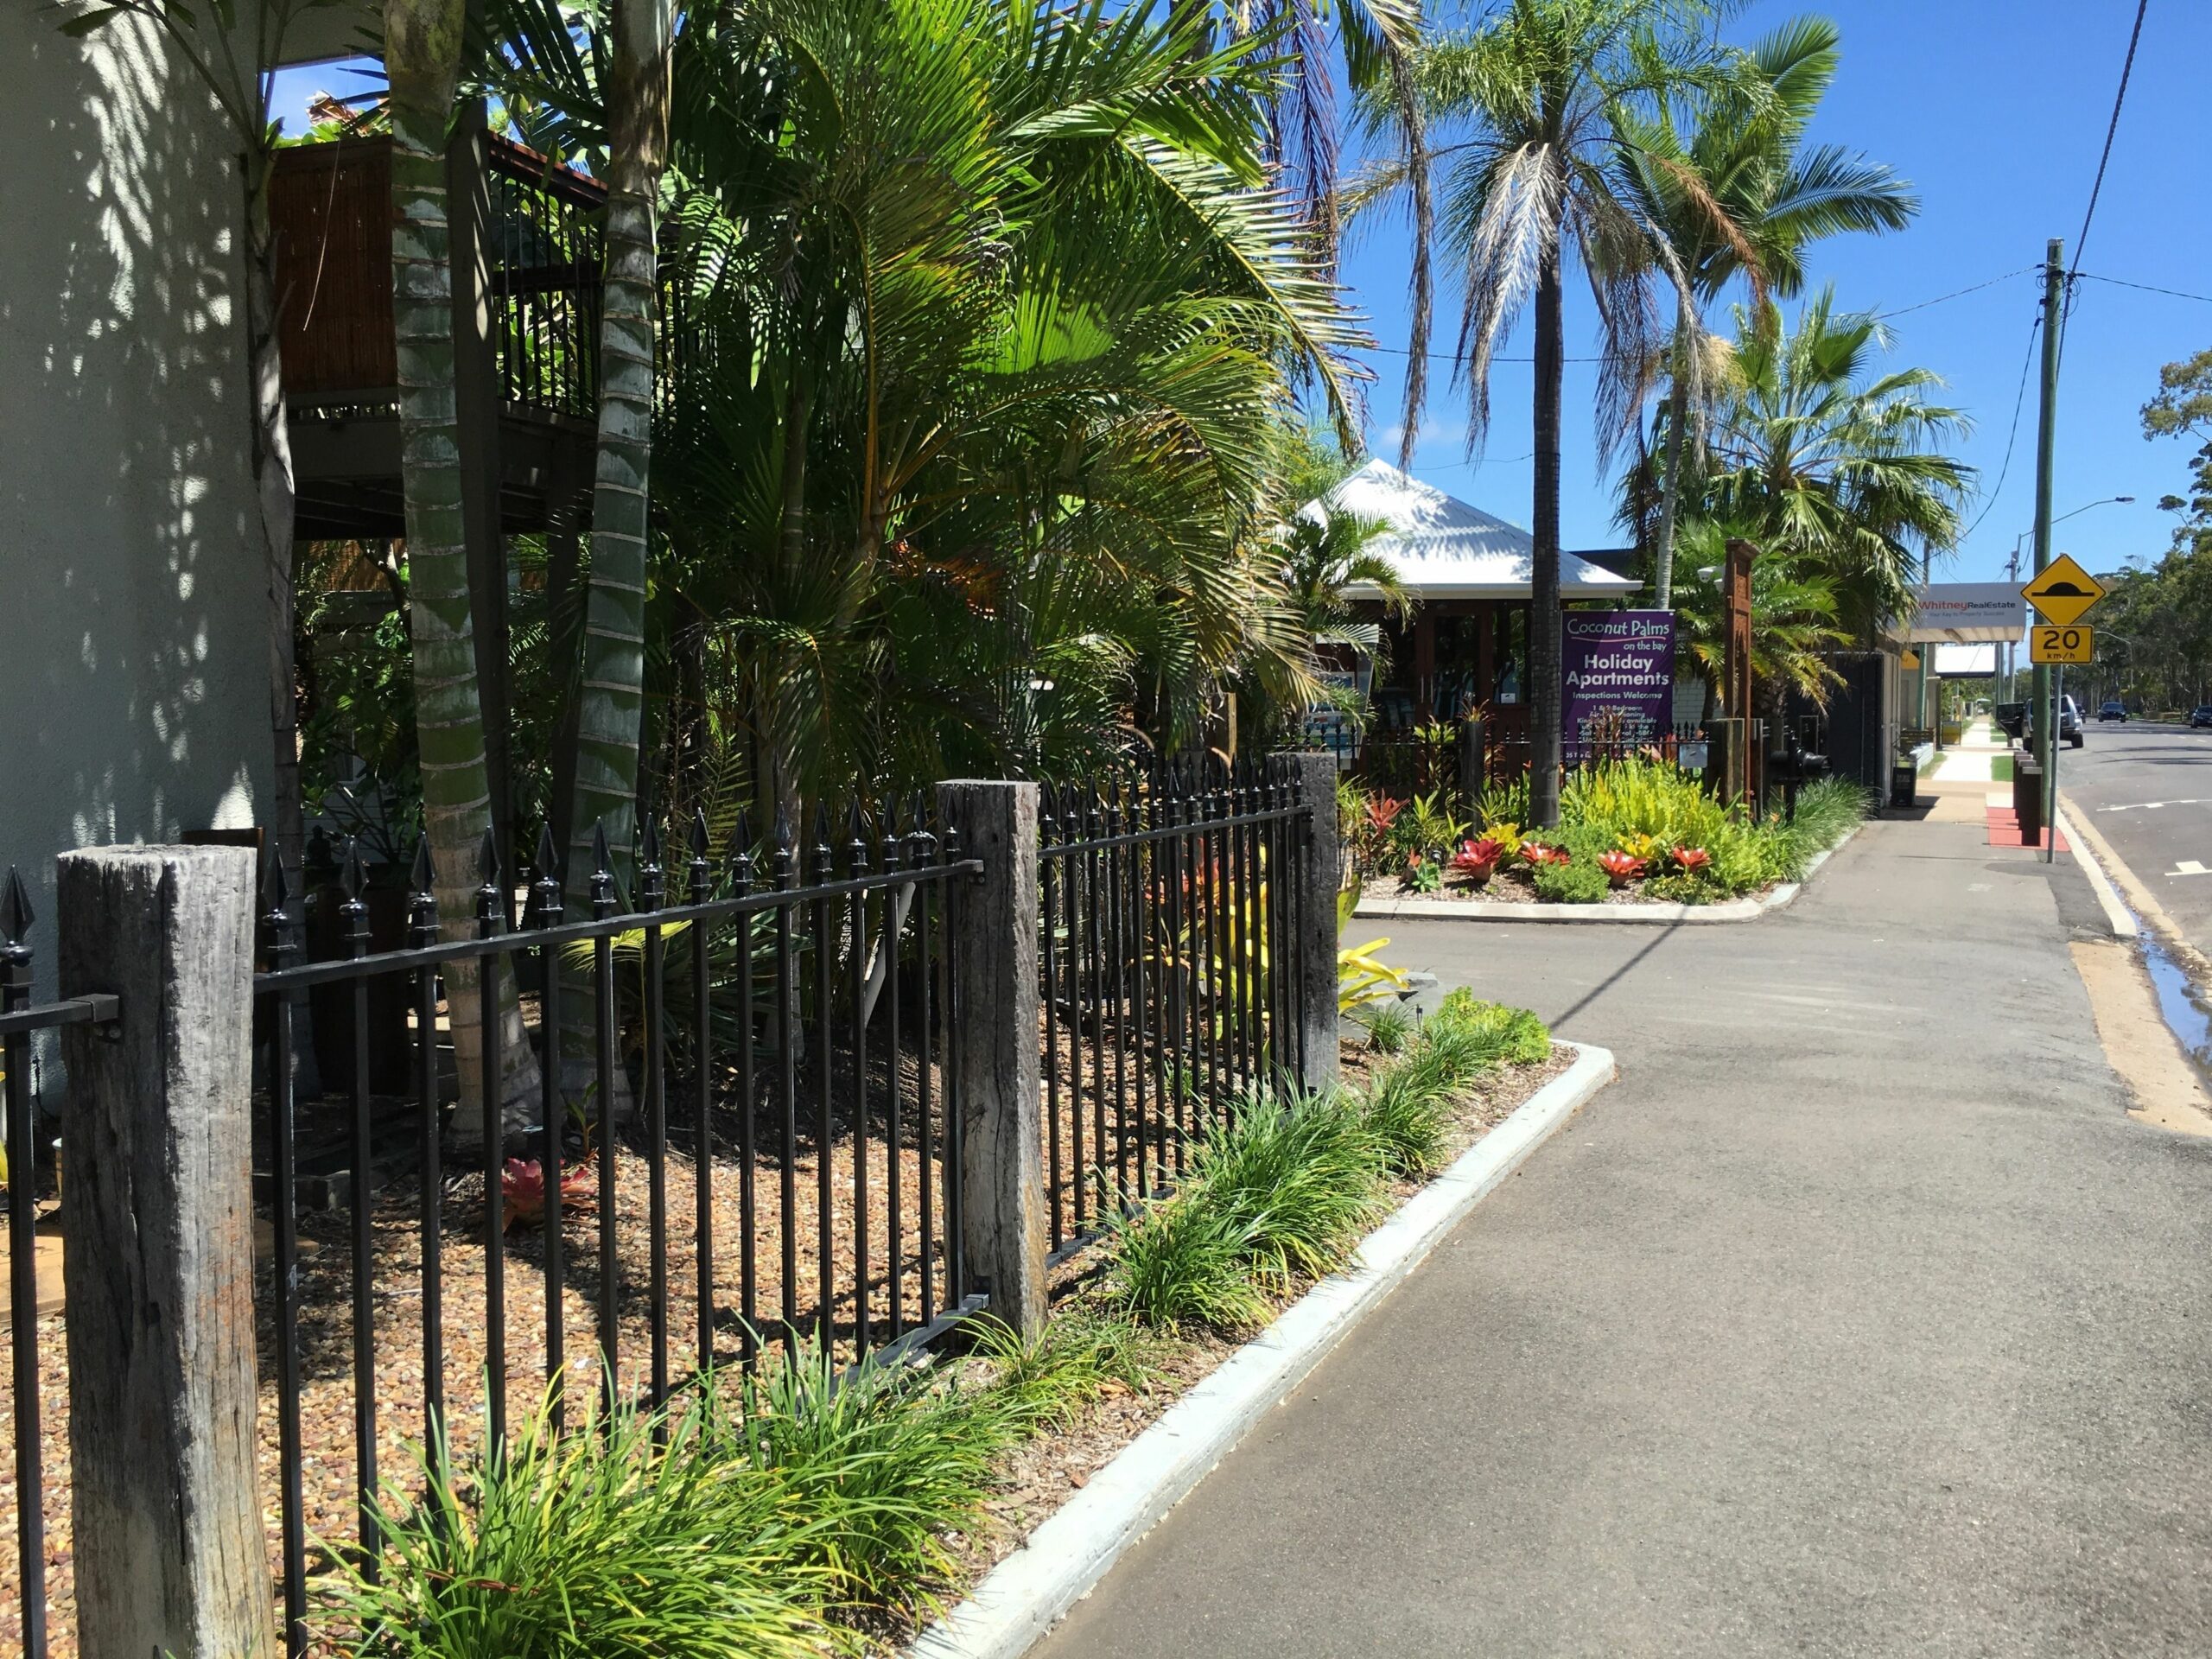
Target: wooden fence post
{"points": [[995, 1057], [158, 1240], [1314, 780]]}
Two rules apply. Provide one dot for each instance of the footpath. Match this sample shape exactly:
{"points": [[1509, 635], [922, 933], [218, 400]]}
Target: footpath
{"points": [[1856, 1317]]}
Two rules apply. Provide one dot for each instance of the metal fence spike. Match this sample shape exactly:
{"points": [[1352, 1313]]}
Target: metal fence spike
{"points": [[17, 915], [549, 857], [700, 839], [487, 859], [352, 876]]}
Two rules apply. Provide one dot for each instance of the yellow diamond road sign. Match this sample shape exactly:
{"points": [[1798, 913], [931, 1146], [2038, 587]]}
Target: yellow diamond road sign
{"points": [[2063, 590]]}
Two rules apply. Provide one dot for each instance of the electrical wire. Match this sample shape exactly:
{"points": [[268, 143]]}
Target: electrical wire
{"points": [[2112, 129], [2019, 402], [2147, 288], [1879, 316]]}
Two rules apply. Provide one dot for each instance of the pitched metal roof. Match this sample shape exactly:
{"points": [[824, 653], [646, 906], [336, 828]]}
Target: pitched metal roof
{"points": [[1445, 549]]}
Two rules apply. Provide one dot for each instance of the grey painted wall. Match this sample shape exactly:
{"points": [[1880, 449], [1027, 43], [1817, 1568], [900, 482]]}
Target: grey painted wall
{"points": [[132, 661]]}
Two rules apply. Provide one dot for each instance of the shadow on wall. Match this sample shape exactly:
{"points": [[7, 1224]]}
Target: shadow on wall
{"points": [[132, 658]]}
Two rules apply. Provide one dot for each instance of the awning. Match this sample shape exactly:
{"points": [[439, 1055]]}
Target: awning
{"points": [[1445, 549]]}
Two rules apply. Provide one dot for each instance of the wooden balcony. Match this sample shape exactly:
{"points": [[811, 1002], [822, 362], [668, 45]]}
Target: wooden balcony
{"points": [[526, 254]]}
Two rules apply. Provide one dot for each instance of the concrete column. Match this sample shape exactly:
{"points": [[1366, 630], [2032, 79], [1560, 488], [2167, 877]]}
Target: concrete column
{"points": [[157, 1230], [1314, 779], [995, 1061]]}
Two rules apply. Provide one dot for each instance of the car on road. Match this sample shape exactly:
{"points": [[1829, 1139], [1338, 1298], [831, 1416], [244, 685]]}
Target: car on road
{"points": [[2069, 722], [2111, 711], [2011, 719], [2200, 715]]}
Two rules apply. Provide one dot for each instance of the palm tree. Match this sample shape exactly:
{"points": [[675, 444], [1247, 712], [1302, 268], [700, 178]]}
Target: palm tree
{"points": [[1548, 91], [1793, 620], [422, 41], [611, 697], [1739, 196], [988, 316], [1836, 466]]}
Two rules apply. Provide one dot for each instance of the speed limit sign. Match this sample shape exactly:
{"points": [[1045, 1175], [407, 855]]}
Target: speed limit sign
{"points": [[2051, 643]]}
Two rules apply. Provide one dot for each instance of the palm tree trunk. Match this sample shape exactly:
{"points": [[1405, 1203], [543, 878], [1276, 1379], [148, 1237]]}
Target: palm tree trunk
{"points": [[1545, 713], [611, 697], [612, 705], [1678, 409], [422, 59]]}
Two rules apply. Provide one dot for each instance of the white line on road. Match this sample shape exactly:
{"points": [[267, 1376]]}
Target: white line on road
{"points": [[2190, 867], [2150, 806]]}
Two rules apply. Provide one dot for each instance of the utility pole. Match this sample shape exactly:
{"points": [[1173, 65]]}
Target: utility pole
{"points": [[2046, 684]]}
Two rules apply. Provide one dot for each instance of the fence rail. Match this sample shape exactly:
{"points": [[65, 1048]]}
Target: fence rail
{"points": [[1171, 949], [784, 1041], [1413, 761]]}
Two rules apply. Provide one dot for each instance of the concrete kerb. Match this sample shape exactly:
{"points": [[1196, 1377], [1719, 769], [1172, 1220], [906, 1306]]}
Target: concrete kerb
{"points": [[1066, 1556], [2116, 913], [1735, 909]]}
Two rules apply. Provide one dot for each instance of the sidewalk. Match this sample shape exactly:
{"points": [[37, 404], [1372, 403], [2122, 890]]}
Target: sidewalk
{"points": [[1856, 1317]]}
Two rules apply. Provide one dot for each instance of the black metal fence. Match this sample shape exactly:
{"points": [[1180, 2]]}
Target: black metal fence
{"points": [[773, 1043], [1170, 955], [1404, 762], [19, 1020]]}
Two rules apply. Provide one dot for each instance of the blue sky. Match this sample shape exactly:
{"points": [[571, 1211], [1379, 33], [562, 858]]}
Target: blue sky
{"points": [[1995, 110]]}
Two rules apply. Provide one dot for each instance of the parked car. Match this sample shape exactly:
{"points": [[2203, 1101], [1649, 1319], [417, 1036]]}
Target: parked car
{"points": [[2110, 709], [2069, 722], [2200, 715], [2013, 720]]}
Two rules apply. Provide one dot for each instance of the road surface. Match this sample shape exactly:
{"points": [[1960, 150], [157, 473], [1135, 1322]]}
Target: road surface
{"points": [[2147, 789]]}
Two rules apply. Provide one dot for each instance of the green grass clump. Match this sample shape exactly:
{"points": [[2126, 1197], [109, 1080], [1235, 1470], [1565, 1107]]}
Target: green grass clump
{"points": [[751, 1516], [646, 1541], [1280, 1189], [1389, 1027]]}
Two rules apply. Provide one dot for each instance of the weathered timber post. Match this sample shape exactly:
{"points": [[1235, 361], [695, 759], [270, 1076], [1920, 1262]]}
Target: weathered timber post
{"points": [[157, 1242], [995, 1061], [1471, 771], [1315, 915]]}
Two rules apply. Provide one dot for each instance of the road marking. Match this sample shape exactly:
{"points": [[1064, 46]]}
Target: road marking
{"points": [[2150, 806], [2190, 867]]}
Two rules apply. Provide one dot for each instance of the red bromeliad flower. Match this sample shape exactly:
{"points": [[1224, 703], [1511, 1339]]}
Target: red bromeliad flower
{"points": [[1535, 854], [1692, 860], [1479, 858], [522, 1185], [1620, 869], [1383, 812]]}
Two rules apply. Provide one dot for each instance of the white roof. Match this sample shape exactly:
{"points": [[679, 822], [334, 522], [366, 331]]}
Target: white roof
{"points": [[1445, 549]]}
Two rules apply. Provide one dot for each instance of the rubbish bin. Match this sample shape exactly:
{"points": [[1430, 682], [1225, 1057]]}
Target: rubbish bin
{"points": [[1905, 779], [2027, 797]]}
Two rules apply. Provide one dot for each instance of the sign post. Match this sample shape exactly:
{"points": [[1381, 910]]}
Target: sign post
{"points": [[2063, 593]]}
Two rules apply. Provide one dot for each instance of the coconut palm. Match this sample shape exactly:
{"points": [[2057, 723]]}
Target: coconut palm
{"points": [[1547, 91], [1833, 463], [1738, 195], [422, 43]]}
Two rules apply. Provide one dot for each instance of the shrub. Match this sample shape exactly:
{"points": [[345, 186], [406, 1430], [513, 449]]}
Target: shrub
{"points": [[1181, 1264], [1575, 882], [1499, 1034], [1301, 1176]]}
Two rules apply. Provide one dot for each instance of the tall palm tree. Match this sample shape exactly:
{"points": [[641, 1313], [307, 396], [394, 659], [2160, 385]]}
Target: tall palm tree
{"points": [[1739, 196], [1837, 465], [422, 50], [1547, 91]]}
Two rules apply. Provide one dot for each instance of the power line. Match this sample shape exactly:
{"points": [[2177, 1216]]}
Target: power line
{"points": [[1879, 316], [2019, 402], [2147, 288], [2112, 128]]}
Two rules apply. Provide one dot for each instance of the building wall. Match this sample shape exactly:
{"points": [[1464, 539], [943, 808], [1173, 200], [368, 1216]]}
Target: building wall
{"points": [[133, 673]]}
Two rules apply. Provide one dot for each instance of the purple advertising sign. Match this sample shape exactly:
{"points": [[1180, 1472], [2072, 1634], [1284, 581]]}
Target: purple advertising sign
{"points": [[1617, 675]]}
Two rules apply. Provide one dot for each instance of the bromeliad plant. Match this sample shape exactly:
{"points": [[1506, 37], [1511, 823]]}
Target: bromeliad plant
{"points": [[1620, 867], [1479, 859]]}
